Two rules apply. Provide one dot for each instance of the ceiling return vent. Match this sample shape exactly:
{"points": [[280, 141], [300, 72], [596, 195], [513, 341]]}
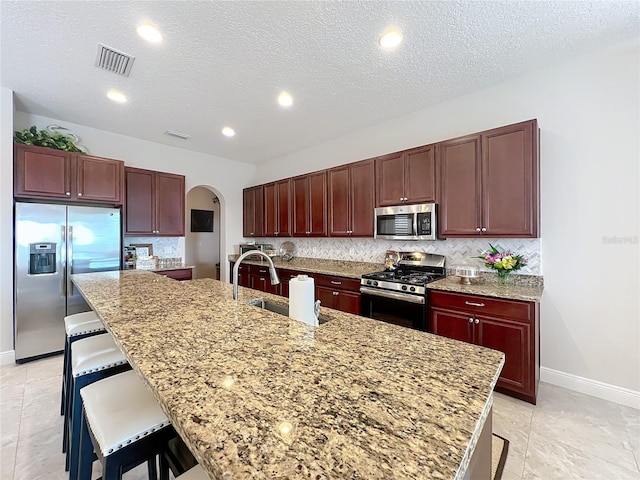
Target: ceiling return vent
{"points": [[115, 61]]}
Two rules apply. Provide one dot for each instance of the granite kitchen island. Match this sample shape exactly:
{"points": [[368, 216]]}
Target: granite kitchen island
{"points": [[256, 395]]}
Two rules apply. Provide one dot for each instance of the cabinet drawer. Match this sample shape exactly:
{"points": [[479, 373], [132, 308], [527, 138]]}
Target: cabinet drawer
{"points": [[341, 283], [482, 305], [259, 270], [179, 274]]}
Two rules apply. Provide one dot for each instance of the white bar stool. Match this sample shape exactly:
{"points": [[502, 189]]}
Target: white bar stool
{"points": [[92, 359], [123, 424], [77, 326]]}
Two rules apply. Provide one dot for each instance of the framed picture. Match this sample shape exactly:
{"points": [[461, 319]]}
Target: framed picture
{"points": [[143, 249], [201, 220]]}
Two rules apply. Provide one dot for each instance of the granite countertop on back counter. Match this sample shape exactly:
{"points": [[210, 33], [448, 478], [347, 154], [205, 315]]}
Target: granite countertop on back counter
{"points": [[256, 395], [342, 268], [522, 287]]}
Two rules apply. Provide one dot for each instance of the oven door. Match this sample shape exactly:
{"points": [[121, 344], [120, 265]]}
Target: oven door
{"points": [[396, 308]]}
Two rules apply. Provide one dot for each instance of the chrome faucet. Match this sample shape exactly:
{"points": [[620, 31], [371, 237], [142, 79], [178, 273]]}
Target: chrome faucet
{"points": [[272, 270]]}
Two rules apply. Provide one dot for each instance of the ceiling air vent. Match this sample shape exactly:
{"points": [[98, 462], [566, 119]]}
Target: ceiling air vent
{"points": [[109, 58], [173, 133]]}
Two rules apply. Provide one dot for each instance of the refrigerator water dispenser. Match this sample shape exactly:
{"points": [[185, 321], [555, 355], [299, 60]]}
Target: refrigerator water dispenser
{"points": [[42, 258]]}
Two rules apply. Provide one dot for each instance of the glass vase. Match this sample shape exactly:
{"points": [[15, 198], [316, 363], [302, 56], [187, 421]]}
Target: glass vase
{"points": [[503, 277]]}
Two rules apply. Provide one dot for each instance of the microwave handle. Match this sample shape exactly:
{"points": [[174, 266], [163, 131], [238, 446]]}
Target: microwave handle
{"points": [[415, 224]]}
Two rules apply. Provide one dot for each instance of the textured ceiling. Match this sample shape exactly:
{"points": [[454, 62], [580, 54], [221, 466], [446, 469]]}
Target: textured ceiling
{"points": [[224, 62]]}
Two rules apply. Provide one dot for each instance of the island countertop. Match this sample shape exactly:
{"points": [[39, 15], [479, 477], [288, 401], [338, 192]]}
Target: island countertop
{"points": [[257, 395]]}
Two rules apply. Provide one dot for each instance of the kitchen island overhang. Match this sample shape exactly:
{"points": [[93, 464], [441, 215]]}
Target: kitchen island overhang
{"points": [[257, 395]]}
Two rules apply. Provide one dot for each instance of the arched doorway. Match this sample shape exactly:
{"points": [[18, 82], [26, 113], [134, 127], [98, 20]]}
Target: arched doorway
{"points": [[202, 247]]}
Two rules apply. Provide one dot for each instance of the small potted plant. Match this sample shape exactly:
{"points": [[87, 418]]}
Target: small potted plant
{"points": [[503, 263]]}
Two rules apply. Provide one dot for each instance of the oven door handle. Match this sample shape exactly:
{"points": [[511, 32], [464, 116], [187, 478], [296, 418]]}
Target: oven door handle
{"points": [[393, 295]]}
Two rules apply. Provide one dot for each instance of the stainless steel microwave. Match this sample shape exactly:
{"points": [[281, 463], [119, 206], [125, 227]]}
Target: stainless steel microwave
{"points": [[406, 222]]}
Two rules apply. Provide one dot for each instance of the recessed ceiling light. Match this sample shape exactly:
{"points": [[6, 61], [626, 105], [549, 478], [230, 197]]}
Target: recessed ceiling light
{"points": [[390, 39], [285, 99], [149, 33], [228, 132], [116, 96]]}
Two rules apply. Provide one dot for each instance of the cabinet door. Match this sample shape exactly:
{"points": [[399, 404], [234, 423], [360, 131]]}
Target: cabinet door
{"points": [[347, 302], [253, 211], [362, 201], [460, 183], [318, 204], [300, 206], [339, 202], [513, 339], [326, 297], [169, 204], [41, 172], [419, 175], [99, 179], [140, 203], [390, 179], [450, 324], [509, 181], [270, 210], [283, 219]]}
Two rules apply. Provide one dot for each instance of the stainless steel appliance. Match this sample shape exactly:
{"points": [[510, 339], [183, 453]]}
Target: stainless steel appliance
{"points": [[406, 222], [262, 247], [399, 295], [51, 242]]}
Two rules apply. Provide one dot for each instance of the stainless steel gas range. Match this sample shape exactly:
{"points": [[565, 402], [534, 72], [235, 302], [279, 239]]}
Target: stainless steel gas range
{"points": [[398, 294]]}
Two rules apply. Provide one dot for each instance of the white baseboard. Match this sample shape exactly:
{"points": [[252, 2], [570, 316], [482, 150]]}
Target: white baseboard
{"points": [[8, 357], [606, 391]]}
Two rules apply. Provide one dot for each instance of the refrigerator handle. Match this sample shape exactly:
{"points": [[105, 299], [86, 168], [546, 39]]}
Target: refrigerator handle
{"points": [[69, 262], [63, 262]]}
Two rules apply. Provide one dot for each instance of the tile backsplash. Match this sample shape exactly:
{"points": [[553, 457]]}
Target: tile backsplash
{"points": [[163, 247], [457, 250]]}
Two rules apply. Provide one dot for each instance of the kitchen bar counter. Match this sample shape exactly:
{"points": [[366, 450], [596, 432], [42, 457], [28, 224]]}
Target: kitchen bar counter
{"points": [[256, 395]]}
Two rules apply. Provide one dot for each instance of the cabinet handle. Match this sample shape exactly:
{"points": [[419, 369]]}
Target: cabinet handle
{"points": [[484, 229], [336, 293], [474, 304], [68, 194], [470, 320], [262, 271], [252, 233], [333, 282], [478, 229], [79, 194], [476, 321], [276, 233]]}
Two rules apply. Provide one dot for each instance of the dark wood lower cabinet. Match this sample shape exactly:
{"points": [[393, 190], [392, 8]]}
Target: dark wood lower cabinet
{"points": [[509, 326], [342, 300], [177, 274]]}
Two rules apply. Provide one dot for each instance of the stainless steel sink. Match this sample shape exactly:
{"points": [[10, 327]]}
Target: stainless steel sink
{"points": [[278, 308]]}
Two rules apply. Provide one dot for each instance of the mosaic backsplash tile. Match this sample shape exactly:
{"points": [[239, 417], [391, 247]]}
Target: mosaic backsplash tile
{"points": [[457, 250], [163, 247]]}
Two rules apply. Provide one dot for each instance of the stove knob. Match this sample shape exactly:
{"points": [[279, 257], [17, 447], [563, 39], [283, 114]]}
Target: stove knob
{"points": [[375, 284], [413, 289], [404, 287], [368, 282]]}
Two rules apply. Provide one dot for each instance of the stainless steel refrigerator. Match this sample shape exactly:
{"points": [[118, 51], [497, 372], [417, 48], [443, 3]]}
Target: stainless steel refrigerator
{"points": [[51, 242]]}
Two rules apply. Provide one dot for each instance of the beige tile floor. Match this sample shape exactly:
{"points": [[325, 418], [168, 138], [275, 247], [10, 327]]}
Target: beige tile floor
{"points": [[566, 436]]}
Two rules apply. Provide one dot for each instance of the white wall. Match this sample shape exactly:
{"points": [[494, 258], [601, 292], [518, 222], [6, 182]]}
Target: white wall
{"points": [[202, 249], [6, 226], [588, 112]]}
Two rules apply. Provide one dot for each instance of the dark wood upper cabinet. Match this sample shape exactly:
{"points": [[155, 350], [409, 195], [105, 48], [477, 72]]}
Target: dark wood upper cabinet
{"points": [[253, 211], [406, 177], [489, 183], [99, 179], [170, 197], [351, 199], [48, 173], [277, 209], [310, 205], [459, 209], [155, 203]]}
